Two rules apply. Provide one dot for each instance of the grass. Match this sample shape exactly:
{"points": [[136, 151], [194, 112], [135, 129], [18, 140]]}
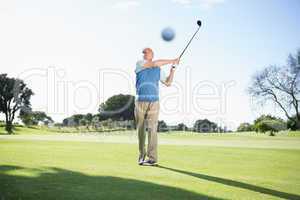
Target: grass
{"points": [[42, 130], [96, 168]]}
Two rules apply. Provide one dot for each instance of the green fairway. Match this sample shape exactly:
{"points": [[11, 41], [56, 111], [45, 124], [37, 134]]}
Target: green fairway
{"points": [[71, 167]]}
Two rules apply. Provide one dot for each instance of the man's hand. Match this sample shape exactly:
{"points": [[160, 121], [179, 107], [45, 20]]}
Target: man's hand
{"points": [[172, 69], [169, 79], [176, 61]]}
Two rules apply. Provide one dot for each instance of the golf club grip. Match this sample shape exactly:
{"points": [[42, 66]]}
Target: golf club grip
{"points": [[189, 43]]}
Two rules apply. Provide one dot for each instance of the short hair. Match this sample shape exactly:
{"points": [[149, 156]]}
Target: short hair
{"points": [[147, 49]]}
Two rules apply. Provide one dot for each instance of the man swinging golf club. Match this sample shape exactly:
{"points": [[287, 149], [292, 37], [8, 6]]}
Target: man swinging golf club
{"points": [[148, 76]]}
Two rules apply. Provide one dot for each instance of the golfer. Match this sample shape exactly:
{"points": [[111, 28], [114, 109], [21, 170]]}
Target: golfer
{"points": [[148, 75]]}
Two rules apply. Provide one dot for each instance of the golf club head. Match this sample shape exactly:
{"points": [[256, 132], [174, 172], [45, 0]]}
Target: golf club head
{"points": [[199, 23]]}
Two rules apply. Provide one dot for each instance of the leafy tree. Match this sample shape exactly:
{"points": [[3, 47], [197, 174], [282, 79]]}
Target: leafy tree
{"points": [[182, 127], [82, 122], [280, 85], [66, 121], [26, 117], [77, 118], [14, 95], [245, 127], [95, 121], [81, 119], [118, 107], [42, 117], [74, 120], [88, 118], [162, 126], [34, 117], [259, 127], [265, 117], [272, 125], [205, 126], [291, 124]]}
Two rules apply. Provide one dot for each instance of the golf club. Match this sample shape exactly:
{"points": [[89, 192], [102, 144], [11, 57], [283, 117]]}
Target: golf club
{"points": [[199, 23]]}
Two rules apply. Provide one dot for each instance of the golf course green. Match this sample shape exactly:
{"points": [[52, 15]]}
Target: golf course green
{"points": [[195, 166]]}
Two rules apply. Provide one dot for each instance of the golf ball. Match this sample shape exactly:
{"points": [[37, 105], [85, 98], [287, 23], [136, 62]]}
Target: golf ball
{"points": [[168, 34]]}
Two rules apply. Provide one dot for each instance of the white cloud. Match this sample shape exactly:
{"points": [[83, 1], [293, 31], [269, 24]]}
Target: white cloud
{"points": [[126, 4], [203, 4]]}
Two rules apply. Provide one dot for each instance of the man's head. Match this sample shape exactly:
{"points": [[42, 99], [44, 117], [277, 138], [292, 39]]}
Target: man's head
{"points": [[148, 54]]}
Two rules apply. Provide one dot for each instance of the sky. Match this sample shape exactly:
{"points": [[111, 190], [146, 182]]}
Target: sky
{"points": [[76, 54]]}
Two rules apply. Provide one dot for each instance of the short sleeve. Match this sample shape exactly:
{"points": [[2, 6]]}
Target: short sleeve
{"points": [[163, 76], [139, 66]]}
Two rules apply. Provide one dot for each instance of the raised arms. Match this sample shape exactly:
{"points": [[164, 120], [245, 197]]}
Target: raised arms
{"points": [[161, 62]]}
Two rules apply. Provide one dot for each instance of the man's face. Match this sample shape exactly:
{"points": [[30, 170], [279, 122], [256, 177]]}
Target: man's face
{"points": [[148, 54]]}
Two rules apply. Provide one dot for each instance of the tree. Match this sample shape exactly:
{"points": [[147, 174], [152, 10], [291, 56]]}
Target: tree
{"points": [[82, 122], [14, 95], [26, 117], [182, 127], [34, 117], [280, 85], [118, 107], [66, 121], [245, 127], [95, 121], [88, 118], [271, 123], [291, 124], [162, 126], [265, 117], [41, 116], [262, 118], [80, 119], [77, 118], [205, 126]]}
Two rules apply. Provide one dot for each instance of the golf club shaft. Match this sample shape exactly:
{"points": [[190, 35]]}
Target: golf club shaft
{"points": [[189, 42]]}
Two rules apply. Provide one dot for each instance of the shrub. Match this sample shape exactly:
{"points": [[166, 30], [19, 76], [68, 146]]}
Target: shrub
{"points": [[182, 127], [245, 127], [293, 123], [270, 125]]}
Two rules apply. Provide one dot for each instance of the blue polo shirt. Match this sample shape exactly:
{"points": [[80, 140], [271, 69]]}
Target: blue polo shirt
{"points": [[147, 82]]}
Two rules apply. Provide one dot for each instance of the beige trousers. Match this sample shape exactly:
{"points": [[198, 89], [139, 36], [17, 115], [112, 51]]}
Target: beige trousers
{"points": [[146, 116]]}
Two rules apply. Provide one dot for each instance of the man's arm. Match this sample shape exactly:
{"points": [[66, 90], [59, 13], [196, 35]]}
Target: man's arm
{"points": [[169, 79], [159, 63]]}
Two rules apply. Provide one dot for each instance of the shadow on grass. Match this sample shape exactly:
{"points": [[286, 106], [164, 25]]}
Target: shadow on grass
{"points": [[238, 184], [57, 183]]}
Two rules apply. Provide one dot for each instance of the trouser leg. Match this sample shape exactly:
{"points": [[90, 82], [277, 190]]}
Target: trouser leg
{"points": [[140, 111], [152, 118]]}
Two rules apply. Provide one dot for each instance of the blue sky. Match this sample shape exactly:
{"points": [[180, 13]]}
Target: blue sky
{"points": [[80, 39]]}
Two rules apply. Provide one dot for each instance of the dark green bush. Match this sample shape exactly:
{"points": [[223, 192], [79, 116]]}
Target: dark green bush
{"points": [[293, 123]]}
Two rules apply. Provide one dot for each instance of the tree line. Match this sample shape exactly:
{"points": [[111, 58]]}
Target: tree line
{"points": [[200, 126], [277, 84]]}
